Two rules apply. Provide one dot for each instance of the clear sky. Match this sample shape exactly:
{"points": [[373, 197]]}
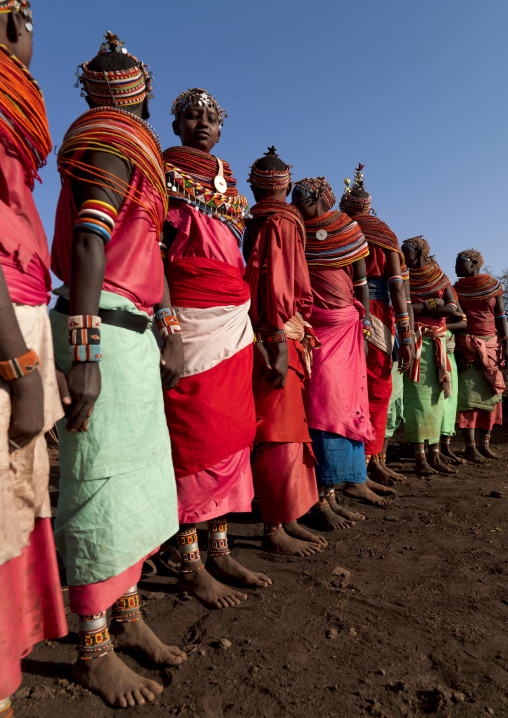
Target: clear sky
{"points": [[415, 91]]}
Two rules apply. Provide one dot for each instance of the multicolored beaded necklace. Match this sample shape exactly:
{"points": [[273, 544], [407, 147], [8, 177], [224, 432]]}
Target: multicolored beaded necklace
{"points": [[334, 240], [192, 176], [120, 133], [427, 281], [479, 287], [378, 233], [23, 121], [273, 206]]}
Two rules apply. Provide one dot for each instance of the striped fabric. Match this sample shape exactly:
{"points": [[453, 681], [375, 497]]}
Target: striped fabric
{"points": [[343, 241]]}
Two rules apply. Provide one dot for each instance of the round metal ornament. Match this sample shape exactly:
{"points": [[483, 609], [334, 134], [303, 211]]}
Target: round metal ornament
{"points": [[321, 235]]}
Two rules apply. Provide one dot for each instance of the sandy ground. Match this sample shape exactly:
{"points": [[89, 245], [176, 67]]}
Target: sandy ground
{"points": [[421, 627]]}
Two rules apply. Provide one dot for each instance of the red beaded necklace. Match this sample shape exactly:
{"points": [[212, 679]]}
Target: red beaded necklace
{"points": [[479, 287]]}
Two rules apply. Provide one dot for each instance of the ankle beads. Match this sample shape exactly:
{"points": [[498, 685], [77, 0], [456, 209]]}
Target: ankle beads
{"points": [[94, 640], [188, 548], [322, 503], [273, 529], [382, 459], [126, 609], [218, 538], [330, 496], [6, 709], [420, 450]]}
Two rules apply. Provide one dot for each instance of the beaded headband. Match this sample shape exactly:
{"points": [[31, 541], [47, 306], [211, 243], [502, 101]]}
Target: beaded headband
{"points": [[270, 178], [185, 100], [473, 255], [117, 88], [417, 243], [22, 6], [317, 187], [348, 200]]}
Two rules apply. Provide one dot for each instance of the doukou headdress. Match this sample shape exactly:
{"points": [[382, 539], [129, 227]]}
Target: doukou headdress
{"points": [[317, 187], [356, 199], [22, 6], [117, 88], [185, 99], [270, 178], [417, 243], [474, 255]]}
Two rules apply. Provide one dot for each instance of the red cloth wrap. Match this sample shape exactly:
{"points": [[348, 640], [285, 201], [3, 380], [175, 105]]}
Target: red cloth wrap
{"points": [[480, 418], [32, 608], [379, 379], [200, 282], [489, 352], [278, 253]]}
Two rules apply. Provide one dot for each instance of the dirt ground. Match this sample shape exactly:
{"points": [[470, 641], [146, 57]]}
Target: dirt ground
{"points": [[420, 629]]}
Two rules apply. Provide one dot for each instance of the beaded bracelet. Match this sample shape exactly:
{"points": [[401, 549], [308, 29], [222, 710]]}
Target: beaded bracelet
{"points": [[97, 217], [83, 321], [408, 300], [359, 282], [402, 318], [84, 338], [395, 278], [257, 338], [276, 339], [12, 369], [430, 303], [451, 301], [164, 251], [500, 316], [167, 322]]}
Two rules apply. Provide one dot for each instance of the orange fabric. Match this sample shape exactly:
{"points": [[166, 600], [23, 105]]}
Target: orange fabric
{"points": [[278, 254]]}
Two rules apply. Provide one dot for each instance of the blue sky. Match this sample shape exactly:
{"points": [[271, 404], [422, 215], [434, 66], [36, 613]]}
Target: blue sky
{"points": [[414, 91]]}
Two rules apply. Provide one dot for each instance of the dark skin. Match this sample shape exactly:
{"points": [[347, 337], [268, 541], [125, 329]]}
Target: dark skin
{"points": [[482, 453], [447, 456], [415, 258], [110, 677], [199, 127]]}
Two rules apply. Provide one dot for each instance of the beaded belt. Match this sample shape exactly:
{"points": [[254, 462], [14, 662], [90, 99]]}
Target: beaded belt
{"points": [[115, 317]]}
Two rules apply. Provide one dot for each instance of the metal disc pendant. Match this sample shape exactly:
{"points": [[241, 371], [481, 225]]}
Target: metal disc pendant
{"points": [[220, 184], [29, 27], [321, 235]]}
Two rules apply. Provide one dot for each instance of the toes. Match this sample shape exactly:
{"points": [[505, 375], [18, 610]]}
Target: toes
{"points": [[131, 701], [122, 702], [138, 697], [147, 693]]}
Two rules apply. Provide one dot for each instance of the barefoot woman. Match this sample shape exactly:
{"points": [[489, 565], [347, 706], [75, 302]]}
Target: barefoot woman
{"points": [[429, 381], [32, 607], [210, 414], [385, 282], [117, 500], [481, 352], [282, 460], [336, 396]]}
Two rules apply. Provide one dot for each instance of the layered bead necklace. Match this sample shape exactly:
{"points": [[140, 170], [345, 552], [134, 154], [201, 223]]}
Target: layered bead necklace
{"points": [[378, 233], [23, 120], [267, 207], [427, 281], [334, 240], [479, 287]]}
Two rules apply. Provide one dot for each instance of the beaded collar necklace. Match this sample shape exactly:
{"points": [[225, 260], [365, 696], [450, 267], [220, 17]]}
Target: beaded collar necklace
{"points": [[139, 120], [481, 286], [266, 207], [427, 281], [334, 240], [379, 233]]}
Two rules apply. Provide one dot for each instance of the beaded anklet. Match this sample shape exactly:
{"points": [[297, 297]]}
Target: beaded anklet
{"points": [[6, 709], [434, 448], [367, 459], [126, 609], [470, 442], [420, 450], [374, 459], [94, 640], [331, 496], [188, 548], [272, 529], [382, 458], [218, 537], [446, 440], [12, 369], [486, 440]]}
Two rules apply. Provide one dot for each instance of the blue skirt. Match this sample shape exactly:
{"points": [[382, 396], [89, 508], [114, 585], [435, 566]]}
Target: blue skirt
{"points": [[338, 459]]}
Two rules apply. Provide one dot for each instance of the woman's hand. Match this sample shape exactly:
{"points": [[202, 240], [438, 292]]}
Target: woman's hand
{"points": [[27, 409], [172, 361], [84, 384]]}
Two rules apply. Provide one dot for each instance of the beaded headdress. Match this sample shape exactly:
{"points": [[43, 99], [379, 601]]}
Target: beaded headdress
{"points": [[473, 255], [22, 6], [117, 88], [317, 187], [269, 178], [417, 243], [355, 199], [185, 100]]}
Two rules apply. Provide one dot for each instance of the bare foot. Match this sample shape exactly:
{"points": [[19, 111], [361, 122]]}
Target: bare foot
{"points": [[282, 543], [438, 465], [381, 474], [472, 454], [345, 513], [380, 488], [394, 475], [139, 637], [294, 529], [327, 520], [208, 591], [487, 451], [423, 468], [362, 492], [114, 682], [447, 456], [225, 568]]}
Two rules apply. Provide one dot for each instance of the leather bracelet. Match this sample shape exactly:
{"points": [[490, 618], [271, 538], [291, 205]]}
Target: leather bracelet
{"points": [[276, 339], [12, 369]]}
